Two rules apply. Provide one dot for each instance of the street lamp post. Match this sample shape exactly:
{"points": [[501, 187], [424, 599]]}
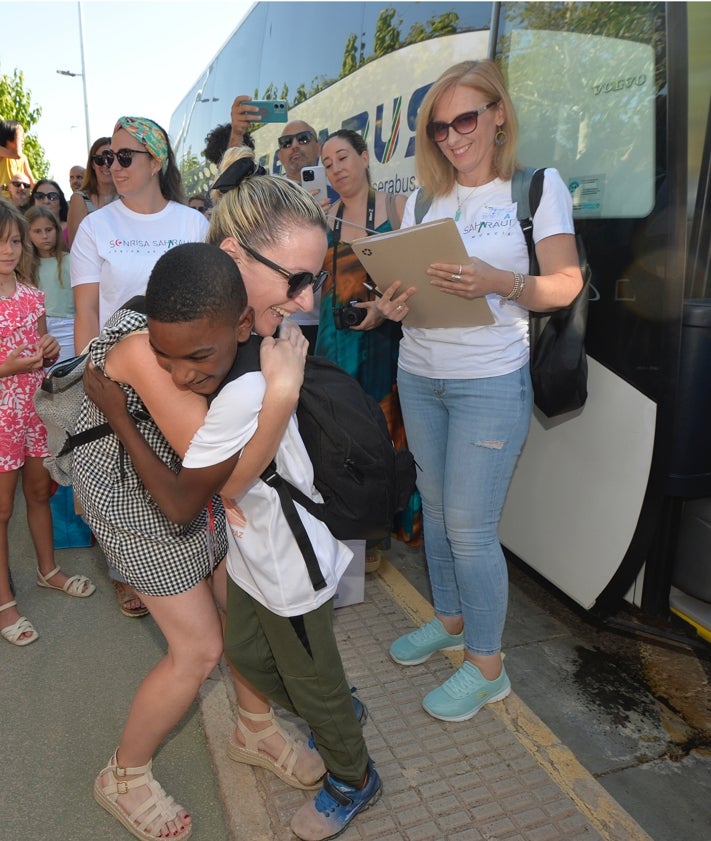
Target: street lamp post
{"points": [[83, 78]]}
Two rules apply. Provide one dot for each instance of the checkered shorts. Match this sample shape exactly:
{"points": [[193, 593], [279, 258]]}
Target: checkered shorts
{"points": [[156, 556]]}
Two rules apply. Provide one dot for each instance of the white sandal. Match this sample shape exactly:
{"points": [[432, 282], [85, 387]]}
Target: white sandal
{"points": [[158, 808], [310, 775], [77, 585], [14, 632]]}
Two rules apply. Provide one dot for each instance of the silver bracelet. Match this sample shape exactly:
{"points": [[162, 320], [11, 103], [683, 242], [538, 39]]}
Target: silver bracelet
{"points": [[517, 291]]}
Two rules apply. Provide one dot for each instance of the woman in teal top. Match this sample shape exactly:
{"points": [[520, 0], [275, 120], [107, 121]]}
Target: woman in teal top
{"points": [[368, 352]]}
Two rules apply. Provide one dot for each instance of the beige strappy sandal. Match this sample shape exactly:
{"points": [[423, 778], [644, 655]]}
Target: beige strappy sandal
{"points": [[14, 632], [157, 809], [77, 585], [311, 768]]}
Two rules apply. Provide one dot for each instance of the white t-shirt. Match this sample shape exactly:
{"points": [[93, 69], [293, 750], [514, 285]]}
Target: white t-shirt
{"points": [[490, 231], [117, 248], [264, 558]]}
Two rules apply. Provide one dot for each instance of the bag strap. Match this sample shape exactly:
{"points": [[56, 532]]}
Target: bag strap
{"points": [[85, 437], [101, 430], [284, 489], [423, 202], [392, 211], [526, 191]]}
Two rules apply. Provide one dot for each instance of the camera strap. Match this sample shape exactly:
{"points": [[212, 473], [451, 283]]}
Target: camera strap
{"points": [[337, 224]]}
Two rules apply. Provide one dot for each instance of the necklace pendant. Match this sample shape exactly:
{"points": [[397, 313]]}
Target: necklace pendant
{"points": [[458, 214]]}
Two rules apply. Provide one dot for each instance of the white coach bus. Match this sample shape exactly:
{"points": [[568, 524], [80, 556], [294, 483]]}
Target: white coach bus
{"points": [[612, 502]]}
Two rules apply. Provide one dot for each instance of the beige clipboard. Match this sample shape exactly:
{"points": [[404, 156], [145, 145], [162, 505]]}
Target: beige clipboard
{"points": [[406, 255]]}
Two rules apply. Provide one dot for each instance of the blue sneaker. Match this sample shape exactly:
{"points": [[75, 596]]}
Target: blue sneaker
{"points": [[360, 708], [418, 646], [465, 693], [335, 806]]}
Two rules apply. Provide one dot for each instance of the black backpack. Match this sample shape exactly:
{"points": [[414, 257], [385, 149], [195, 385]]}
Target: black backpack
{"points": [[559, 366], [363, 479]]}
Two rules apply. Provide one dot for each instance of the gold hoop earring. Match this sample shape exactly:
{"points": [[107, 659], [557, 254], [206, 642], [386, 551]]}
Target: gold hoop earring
{"points": [[500, 137]]}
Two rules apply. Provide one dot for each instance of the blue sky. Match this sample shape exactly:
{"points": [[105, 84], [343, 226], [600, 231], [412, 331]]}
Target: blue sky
{"points": [[140, 58]]}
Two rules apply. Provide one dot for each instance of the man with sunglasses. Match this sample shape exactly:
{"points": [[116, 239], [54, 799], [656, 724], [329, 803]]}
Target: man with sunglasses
{"points": [[298, 147], [19, 190]]}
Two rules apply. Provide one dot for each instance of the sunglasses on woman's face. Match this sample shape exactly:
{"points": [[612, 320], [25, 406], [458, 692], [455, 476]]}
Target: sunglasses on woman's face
{"points": [[466, 123], [298, 281], [123, 156], [39, 196]]}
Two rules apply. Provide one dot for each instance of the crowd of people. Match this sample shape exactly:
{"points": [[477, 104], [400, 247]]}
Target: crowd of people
{"points": [[189, 533]]}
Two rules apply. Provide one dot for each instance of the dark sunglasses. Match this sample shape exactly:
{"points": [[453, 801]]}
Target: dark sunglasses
{"points": [[100, 160], [297, 281], [302, 138], [466, 123], [123, 156], [201, 208], [20, 185], [49, 196]]}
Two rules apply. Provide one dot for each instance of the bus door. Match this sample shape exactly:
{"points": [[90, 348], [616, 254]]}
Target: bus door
{"points": [[601, 95]]}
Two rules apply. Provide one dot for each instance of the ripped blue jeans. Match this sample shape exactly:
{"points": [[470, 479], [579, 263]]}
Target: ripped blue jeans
{"points": [[466, 436]]}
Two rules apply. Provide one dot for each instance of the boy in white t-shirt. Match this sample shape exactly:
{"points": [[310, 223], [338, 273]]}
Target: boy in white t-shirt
{"points": [[279, 632]]}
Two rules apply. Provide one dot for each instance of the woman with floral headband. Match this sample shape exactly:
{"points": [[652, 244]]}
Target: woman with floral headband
{"points": [[116, 247]]}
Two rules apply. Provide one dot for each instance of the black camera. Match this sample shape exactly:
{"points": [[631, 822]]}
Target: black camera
{"points": [[349, 315]]}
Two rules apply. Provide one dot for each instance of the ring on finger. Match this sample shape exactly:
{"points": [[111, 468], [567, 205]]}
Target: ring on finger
{"points": [[398, 308], [456, 277]]}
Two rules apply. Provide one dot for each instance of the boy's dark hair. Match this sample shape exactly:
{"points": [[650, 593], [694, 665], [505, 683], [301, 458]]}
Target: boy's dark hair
{"points": [[194, 281]]}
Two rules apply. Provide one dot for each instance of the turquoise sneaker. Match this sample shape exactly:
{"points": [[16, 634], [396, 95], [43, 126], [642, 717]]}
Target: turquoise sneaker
{"points": [[465, 693], [418, 646]]}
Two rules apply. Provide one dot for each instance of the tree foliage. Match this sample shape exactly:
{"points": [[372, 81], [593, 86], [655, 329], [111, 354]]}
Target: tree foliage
{"points": [[387, 33], [16, 104], [386, 39]]}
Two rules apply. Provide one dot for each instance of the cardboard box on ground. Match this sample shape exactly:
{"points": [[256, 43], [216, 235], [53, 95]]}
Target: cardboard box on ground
{"points": [[351, 587]]}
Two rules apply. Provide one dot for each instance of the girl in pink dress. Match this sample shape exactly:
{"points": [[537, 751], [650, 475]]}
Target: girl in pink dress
{"points": [[25, 348]]}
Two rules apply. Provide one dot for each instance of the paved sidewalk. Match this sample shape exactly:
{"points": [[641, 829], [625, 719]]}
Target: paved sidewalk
{"points": [[503, 775], [64, 699], [63, 703]]}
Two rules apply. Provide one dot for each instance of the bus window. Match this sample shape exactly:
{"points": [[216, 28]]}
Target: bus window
{"points": [[585, 96], [354, 65]]}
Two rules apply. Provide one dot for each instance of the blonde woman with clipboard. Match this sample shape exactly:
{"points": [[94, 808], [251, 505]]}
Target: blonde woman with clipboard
{"points": [[351, 332], [466, 392]]}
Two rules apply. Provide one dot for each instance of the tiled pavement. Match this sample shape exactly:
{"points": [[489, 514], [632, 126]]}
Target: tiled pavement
{"points": [[503, 775]]}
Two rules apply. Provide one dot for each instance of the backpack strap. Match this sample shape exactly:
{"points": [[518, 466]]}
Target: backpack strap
{"points": [[526, 191], [285, 490], [423, 202], [392, 211]]}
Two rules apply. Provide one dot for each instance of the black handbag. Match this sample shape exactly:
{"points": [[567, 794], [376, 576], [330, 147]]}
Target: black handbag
{"points": [[559, 366]]}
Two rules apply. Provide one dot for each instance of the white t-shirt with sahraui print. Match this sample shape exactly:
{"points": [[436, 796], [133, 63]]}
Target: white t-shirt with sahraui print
{"points": [[117, 248], [491, 232]]}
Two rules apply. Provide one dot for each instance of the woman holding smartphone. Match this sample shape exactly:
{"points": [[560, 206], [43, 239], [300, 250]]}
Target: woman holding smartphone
{"points": [[351, 333]]}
